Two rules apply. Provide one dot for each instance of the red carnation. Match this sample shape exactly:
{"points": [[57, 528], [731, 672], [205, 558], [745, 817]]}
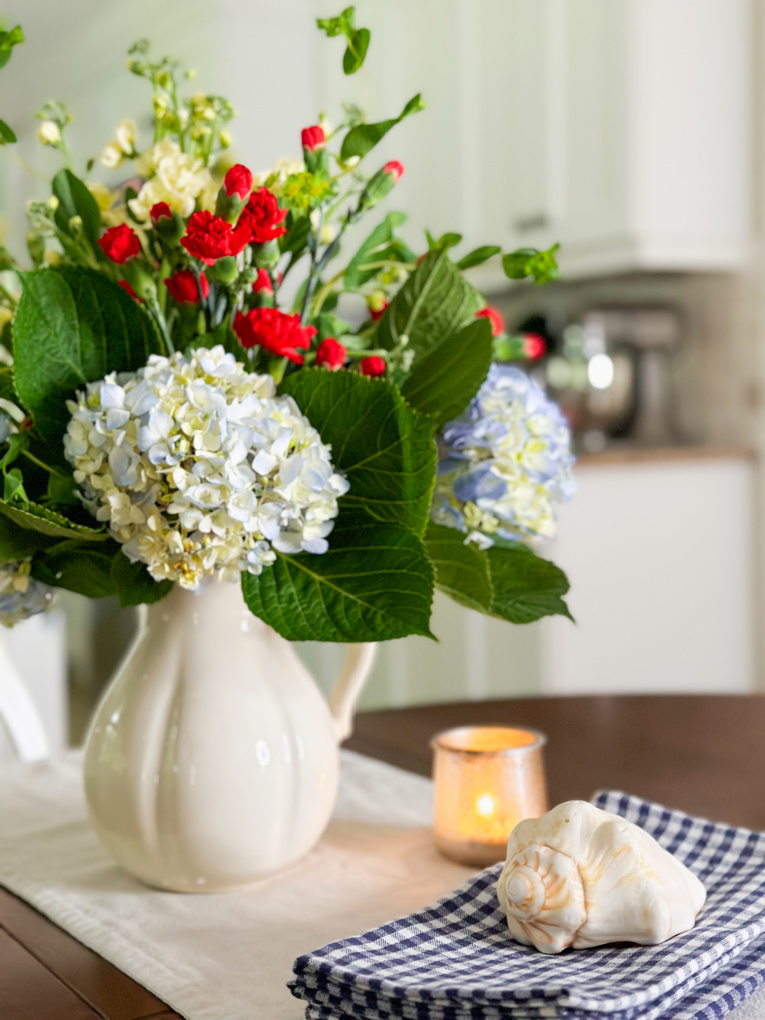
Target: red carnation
{"points": [[377, 313], [372, 366], [126, 286], [534, 345], [331, 354], [263, 217], [313, 138], [238, 181], [395, 168], [494, 317], [160, 211], [120, 244], [184, 288], [209, 237], [279, 333], [263, 283]]}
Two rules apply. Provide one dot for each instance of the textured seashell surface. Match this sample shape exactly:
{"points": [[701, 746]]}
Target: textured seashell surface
{"points": [[580, 877]]}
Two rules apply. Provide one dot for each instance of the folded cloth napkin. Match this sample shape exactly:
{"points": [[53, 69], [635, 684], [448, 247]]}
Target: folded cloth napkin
{"points": [[455, 960]]}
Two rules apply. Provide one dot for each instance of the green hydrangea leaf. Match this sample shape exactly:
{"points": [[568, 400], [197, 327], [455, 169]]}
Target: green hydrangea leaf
{"points": [[434, 303], [526, 587], [443, 381], [73, 326], [133, 583], [82, 569], [375, 583], [461, 570], [385, 448], [49, 522], [17, 543]]}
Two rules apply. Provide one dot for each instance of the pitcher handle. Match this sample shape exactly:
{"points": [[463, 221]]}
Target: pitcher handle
{"points": [[357, 666]]}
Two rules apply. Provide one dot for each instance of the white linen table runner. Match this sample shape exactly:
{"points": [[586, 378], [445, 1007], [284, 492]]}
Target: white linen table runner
{"points": [[225, 956]]}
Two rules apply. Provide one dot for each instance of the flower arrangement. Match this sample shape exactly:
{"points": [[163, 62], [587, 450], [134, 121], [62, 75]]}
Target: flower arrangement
{"points": [[198, 383]]}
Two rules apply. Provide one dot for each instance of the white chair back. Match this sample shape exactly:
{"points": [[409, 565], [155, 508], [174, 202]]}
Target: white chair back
{"points": [[18, 713]]}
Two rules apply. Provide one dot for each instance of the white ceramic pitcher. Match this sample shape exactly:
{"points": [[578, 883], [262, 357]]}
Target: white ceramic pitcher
{"points": [[212, 760]]}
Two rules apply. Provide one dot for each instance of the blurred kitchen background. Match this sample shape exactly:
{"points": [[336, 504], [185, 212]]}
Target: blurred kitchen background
{"points": [[632, 132]]}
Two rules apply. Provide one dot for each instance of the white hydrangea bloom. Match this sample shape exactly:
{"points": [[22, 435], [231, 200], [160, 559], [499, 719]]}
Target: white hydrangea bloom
{"points": [[200, 469], [20, 595], [175, 177]]}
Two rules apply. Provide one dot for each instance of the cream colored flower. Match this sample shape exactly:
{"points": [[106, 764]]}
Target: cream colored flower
{"points": [[200, 469], [112, 213], [49, 133], [111, 156], [124, 136], [175, 177], [5, 316]]}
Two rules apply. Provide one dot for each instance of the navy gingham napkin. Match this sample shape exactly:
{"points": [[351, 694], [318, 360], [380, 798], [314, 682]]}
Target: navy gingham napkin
{"points": [[455, 960]]}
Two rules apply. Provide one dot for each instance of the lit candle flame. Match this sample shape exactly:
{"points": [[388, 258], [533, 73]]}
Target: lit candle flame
{"points": [[486, 805]]}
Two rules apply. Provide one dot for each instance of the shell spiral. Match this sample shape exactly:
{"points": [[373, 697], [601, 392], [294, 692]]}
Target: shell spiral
{"points": [[542, 895], [581, 877]]}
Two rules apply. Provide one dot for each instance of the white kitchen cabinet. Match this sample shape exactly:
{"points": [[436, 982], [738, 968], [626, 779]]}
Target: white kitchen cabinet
{"points": [[632, 116], [620, 128], [660, 555]]}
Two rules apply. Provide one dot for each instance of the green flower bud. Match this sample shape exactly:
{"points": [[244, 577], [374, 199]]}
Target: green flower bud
{"points": [[141, 280], [225, 269], [228, 207], [380, 184], [265, 256], [170, 229], [36, 247]]}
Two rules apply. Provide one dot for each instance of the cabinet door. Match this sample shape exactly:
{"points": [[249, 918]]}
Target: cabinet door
{"points": [[517, 119], [596, 127]]}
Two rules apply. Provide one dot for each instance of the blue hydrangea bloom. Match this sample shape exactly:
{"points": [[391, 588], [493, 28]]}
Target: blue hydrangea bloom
{"points": [[21, 596], [505, 463]]}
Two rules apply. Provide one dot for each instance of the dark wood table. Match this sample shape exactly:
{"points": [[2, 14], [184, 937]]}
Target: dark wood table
{"points": [[705, 755]]}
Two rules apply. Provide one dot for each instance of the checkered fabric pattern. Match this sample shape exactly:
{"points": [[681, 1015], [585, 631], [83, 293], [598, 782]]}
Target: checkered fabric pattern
{"points": [[456, 961]]}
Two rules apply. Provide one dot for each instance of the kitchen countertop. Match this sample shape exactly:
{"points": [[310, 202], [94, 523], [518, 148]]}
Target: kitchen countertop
{"points": [[617, 455]]}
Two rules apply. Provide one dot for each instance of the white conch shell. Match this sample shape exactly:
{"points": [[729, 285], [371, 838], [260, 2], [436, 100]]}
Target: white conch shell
{"points": [[580, 877]]}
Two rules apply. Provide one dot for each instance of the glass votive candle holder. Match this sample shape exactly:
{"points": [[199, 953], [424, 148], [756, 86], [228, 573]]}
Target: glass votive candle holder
{"points": [[487, 779]]}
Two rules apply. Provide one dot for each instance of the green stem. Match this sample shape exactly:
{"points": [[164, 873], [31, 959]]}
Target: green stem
{"points": [[42, 464], [312, 275], [277, 368], [380, 353], [8, 296], [159, 318]]}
